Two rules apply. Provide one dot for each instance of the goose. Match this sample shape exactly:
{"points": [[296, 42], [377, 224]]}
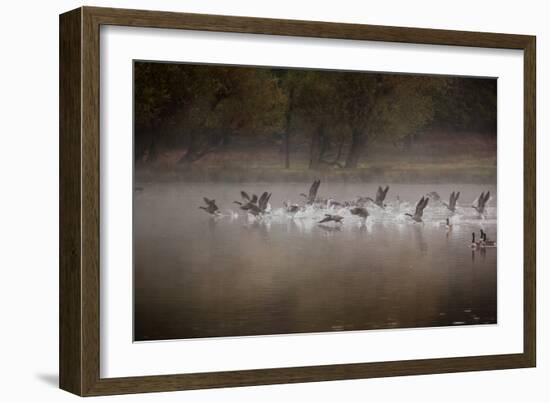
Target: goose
{"points": [[333, 203], [245, 195], [482, 202], [486, 243], [246, 198], [360, 211], [434, 195], [448, 224], [291, 208], [380, 197], [263, 202], [248, 202], [452, 201], [474, 244], [312, 196], [360, 200], [419, 210], [332, 217], [253, 209], [398, 201], [211, 207]]}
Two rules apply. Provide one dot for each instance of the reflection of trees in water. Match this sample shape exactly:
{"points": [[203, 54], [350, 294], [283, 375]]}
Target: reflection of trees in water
{"points": [[330, 229], [262, 227], [212, 224], [291, 226], [482, 252], [209, 276], [305, 226], [309, 225], [419, 237]]}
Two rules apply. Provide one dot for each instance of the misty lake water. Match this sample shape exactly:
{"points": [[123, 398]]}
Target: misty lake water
{"points": [[202, 276]]}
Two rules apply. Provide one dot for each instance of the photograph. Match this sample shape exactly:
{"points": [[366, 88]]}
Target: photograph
{"points": [[271, 200]]}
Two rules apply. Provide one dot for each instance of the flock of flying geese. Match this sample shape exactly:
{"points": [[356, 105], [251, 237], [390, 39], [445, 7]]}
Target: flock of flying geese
{"points": [[260, 206]]}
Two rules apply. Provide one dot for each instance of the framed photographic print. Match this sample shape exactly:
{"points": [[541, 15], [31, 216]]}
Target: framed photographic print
{"points": [[248, 201]]}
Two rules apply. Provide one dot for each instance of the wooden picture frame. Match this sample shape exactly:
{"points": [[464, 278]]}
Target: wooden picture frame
{"points": [[79, 201]]}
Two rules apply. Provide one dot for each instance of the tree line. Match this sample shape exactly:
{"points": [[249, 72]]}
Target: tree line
{"points": [[201, 108]]}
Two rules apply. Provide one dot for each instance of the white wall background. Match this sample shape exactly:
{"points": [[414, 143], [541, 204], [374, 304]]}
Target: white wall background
{"points": [[29, 198]]}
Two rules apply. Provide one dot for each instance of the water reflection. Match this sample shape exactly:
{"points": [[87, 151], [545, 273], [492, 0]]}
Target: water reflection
{"points": [[202, 276], [329, 229], [420, 239]]}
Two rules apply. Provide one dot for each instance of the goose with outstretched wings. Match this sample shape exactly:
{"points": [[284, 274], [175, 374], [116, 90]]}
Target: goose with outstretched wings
{"points": [[380, 196], [313, 189], [481, 204], [211, 207], [263, 202], [419, 211], [452, 201]]}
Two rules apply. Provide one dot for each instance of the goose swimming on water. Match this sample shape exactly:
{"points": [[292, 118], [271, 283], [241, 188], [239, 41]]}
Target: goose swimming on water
{"points": [[211, 207], [452, 201], [486, 243], [474, 244], [419, 211]]}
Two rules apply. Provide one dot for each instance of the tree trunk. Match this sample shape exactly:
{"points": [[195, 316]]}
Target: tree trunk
{"points": [[226, 137], [336, 161], [192, 150], [198, 147], [358, 142], [152, 151], [141, 150], [410, 140], [317, 149], [287, 149], [287, 128]]}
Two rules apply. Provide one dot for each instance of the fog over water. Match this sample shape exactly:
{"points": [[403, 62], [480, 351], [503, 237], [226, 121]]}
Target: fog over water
{"points": [[196, 275]]}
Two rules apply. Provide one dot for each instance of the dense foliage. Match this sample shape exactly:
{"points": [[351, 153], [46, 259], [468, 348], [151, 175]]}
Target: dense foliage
{"points": [[199, 109]]}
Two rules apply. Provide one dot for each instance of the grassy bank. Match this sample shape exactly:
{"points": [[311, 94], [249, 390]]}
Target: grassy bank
{"points": [[468, 158], [473, 172]]}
